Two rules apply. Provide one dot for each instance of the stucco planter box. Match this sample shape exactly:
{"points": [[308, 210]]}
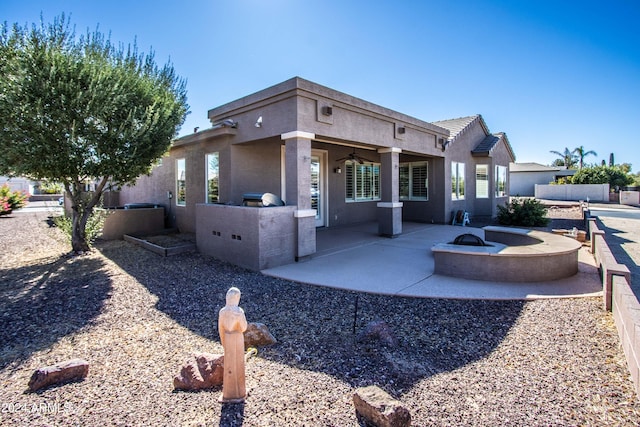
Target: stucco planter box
{"points": [[132, 221]]}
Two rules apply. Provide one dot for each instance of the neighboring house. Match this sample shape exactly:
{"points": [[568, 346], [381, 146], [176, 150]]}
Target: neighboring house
{"points": [[18, 184], [525, 176], [334, 159]]}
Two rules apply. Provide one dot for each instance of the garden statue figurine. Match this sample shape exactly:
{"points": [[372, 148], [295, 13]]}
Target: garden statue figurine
{"points": [[231, 325]]}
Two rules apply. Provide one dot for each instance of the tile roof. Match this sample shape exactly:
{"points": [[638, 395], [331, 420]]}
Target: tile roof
{"points": [[458, 126], [486, 145]]}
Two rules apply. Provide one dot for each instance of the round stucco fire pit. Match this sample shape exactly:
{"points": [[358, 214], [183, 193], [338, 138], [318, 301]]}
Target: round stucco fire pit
{"points": [[512, 255]]}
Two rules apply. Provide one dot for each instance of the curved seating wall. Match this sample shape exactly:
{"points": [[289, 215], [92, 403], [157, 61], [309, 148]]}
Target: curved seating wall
{"points": [[517, 255]]}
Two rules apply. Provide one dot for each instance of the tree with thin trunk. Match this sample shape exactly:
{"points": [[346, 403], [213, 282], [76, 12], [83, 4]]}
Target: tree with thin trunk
{"points": [[568, 158], [80, 110], [581, 153]]}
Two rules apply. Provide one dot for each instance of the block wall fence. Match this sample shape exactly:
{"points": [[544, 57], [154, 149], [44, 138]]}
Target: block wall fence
{"points": [[619, 298]]}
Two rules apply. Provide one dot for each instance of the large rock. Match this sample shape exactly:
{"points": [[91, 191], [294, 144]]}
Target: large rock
{"points": [[379, 409], [202, 371], [378, 331], [258, 335], [63, 372]]}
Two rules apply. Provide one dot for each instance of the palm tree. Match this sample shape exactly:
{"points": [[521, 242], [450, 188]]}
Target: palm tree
{"points": [[581, 154], [568, 158]]}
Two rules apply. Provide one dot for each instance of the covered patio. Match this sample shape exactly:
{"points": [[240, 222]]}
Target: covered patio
{"points": [[357, 258]]}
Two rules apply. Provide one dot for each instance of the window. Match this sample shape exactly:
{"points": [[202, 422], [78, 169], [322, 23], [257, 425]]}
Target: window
{"points": [[457, 181], [482, 181], [213, 178], [501, 181], [181, 183], [414, 181], [362, 181]]}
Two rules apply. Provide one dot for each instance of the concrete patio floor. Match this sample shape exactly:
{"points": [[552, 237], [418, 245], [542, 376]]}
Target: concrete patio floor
{"points": [[356, 258]]}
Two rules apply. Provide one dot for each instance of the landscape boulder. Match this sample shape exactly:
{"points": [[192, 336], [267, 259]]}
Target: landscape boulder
{"points": [[63, 372], [201, 371], [377, 408], [257, 335], [378, 331]]}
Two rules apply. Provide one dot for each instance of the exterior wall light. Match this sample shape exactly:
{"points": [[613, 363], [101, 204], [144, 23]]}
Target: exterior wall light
{"points": [[327, 111]]}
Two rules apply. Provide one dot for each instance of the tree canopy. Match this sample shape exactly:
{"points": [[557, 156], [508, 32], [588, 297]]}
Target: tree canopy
{"points": [[581, 153], [614, 176], [567, 158], [80, 109]]}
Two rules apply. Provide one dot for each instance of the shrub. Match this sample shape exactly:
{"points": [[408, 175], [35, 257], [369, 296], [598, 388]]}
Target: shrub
{"points": [[523, 212], [10, 200], [93, 228], [561, 181], [612, 175], [48, 187]]}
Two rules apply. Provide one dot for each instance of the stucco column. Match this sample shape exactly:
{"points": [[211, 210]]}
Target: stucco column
{"points": [[298, 188], [390, 207]]}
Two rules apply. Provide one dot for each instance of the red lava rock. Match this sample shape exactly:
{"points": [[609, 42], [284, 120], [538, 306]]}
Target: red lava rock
{"points": [[380, 409], [257, 335], [70, 370], [203, 371]]}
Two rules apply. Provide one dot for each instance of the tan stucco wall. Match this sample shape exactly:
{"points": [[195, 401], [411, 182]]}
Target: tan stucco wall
{"points": [[255, 238]]}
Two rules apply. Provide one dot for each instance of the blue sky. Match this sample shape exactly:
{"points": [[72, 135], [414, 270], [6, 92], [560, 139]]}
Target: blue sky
{"points": [[551, 74]]}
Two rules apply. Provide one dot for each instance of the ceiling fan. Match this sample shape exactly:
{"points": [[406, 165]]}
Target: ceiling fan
{"points": [[354, 157]]}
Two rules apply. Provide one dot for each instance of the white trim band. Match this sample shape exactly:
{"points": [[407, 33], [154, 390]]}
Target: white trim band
{"points": [[304, 213], [297, 134], [390, 204], [389, 150]]}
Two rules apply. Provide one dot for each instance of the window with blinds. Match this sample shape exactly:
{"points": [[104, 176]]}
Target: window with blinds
{"points": [[362, 181], [414, 181], [482, 181]]}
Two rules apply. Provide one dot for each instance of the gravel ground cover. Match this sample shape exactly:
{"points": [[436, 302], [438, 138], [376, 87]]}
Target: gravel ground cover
{"points": [[136, 317]]}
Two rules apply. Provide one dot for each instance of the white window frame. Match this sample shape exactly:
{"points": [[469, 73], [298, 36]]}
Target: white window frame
{"points": [[411, 181], [501, 181], [215, 171], [181, 172], [482, 181], [359, 182], [458, 183]]}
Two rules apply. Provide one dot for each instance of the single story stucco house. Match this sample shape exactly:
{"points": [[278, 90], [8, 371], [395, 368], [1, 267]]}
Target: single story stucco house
{"points": [[523, 177], [333, 160]]}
